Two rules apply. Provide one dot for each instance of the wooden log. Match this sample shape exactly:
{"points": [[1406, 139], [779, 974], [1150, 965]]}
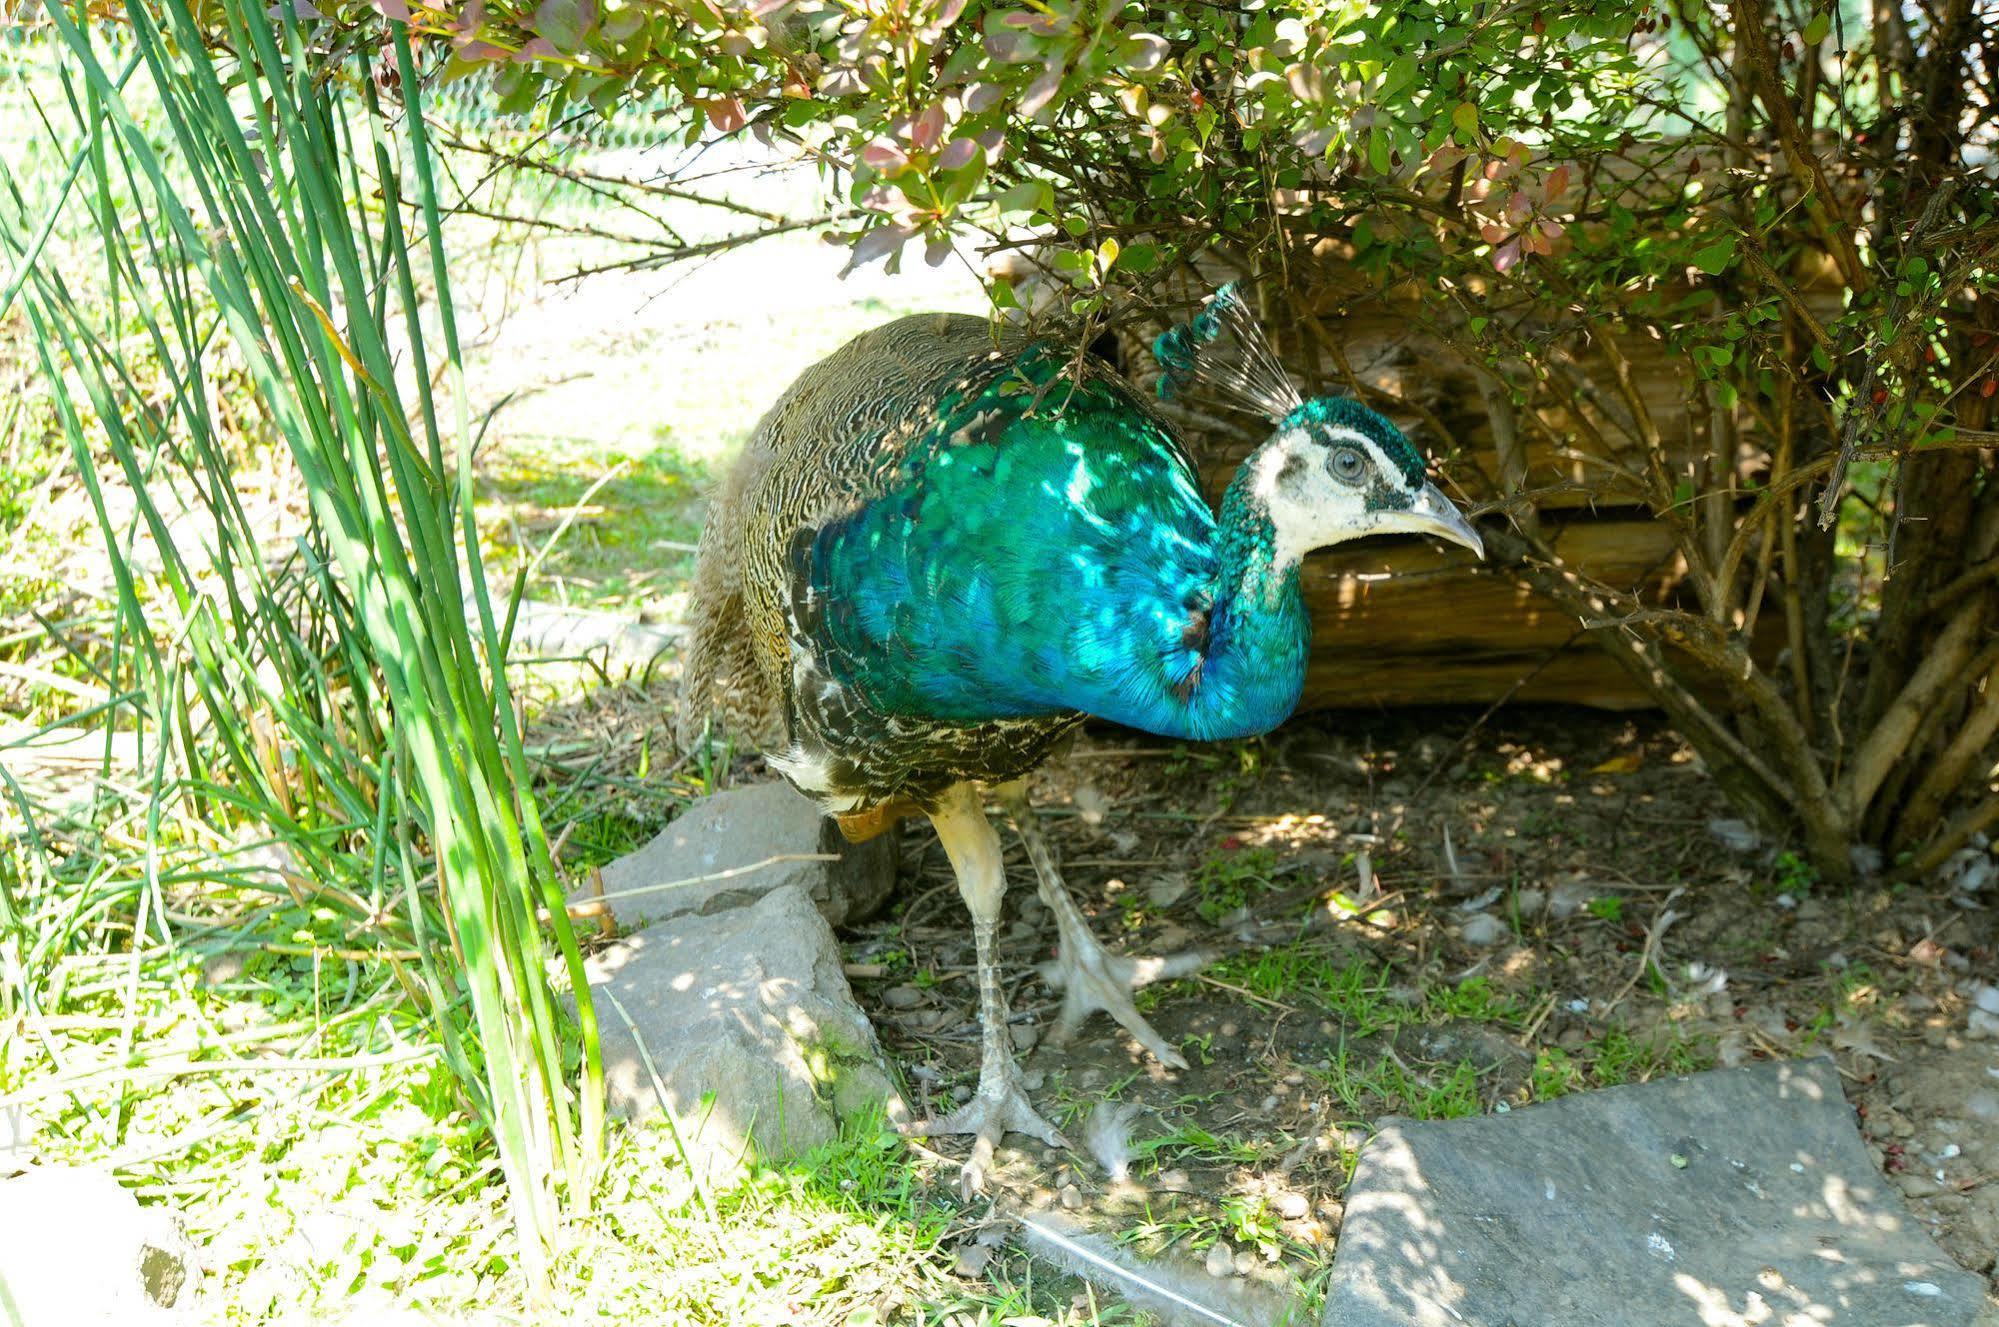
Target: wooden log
{"points": [[1411, 622]]}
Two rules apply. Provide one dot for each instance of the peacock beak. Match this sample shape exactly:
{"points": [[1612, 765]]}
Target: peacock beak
{"points": [[1433, 513]]}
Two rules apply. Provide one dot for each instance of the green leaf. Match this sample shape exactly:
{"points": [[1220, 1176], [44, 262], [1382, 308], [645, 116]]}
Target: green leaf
{"points": [[1027, 197], [1816, 30], [1714, 258], [1378, 158]]}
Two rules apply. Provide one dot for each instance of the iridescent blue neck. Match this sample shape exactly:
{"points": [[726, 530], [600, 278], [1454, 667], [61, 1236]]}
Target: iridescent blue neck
{"points": [[1259, 635]]}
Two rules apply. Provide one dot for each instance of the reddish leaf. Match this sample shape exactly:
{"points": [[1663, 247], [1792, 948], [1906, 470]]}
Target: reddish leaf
{"points": [[726, 114], [565, 22], [1040, 92], [884, 156], [957, 153], [927, 129], [877, 243], [982, 97]]}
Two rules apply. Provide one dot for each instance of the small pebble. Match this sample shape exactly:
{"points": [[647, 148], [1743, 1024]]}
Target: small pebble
{"points": [[1221, 1259], [1245, 1262], [1071, 1198], [1291, 1205], [1269, 1104], [1228, 1029], [961, 1094], [902, 997], [972, 1259], [1483, 929], [1023, 1039]]}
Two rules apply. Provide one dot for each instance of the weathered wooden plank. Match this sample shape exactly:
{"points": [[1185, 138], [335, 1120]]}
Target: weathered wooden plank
{"points": [[1409, 622]]}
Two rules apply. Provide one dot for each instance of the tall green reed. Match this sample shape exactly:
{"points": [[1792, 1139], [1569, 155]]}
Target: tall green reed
{"points": [[344, 694]]}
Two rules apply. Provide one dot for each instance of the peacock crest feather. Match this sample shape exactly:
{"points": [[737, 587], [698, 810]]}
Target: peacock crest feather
{"points": [[1224, 346]]}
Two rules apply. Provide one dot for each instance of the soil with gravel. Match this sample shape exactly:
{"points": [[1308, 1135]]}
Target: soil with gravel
{"points": [[1551, 900]]}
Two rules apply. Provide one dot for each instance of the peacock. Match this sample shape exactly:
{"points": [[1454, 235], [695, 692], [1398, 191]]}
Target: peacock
{"points": [[945, 547]]}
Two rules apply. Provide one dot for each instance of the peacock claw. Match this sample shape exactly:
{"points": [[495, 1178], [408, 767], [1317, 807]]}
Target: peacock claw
{"points": [[1091, 978], [1000, 1107]]}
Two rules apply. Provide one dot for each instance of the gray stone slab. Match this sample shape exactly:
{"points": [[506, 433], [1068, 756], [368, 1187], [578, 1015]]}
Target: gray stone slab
{"points": [[737, 829], [1728, 1199], [749, 1024], [78, 1250]]}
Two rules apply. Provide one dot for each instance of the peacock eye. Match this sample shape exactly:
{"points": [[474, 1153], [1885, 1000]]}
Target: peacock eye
{"points": [[1348, 467]]}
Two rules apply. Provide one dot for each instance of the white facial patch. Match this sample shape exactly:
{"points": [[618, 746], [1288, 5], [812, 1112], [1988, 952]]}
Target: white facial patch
{"points": [[1309, 508]]}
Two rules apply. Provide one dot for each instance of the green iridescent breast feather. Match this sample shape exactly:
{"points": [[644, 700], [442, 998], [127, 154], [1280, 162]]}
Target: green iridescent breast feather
{"points": [[1043, 547]]}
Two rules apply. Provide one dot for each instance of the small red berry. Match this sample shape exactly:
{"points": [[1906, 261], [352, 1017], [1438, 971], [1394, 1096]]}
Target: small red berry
{"points": [[1880, 395], [1989, 386], [1790, 51]]}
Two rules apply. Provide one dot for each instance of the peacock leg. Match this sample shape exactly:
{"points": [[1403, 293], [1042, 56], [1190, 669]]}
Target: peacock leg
{"points": [[1001, 1103], [1089, 976]]}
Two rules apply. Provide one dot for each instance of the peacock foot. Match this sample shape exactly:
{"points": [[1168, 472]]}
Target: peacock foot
{"points": [[1091, 978], [999, 1107]]}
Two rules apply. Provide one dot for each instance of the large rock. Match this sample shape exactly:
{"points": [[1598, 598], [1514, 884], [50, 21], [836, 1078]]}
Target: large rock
{"points": [[738, 829], [77, 1250], [1724, 1199], [750, 1026]]}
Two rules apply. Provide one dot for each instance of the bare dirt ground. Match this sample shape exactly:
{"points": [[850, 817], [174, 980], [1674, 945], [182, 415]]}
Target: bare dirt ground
{"points": [[1588, 925]]}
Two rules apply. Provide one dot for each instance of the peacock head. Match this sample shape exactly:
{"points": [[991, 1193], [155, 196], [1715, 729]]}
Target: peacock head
{"points": [[1332, 470], [1335, 470]]}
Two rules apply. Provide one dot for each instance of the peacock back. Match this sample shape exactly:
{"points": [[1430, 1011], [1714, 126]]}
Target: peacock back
{"points": [[938, 551]]}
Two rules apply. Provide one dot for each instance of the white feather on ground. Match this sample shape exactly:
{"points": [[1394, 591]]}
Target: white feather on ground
{"points": [[1178, 1295], [1109, 1137]]}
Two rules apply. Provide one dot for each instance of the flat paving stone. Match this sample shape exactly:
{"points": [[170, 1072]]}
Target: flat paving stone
{"points": [[1738, 1198]]}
